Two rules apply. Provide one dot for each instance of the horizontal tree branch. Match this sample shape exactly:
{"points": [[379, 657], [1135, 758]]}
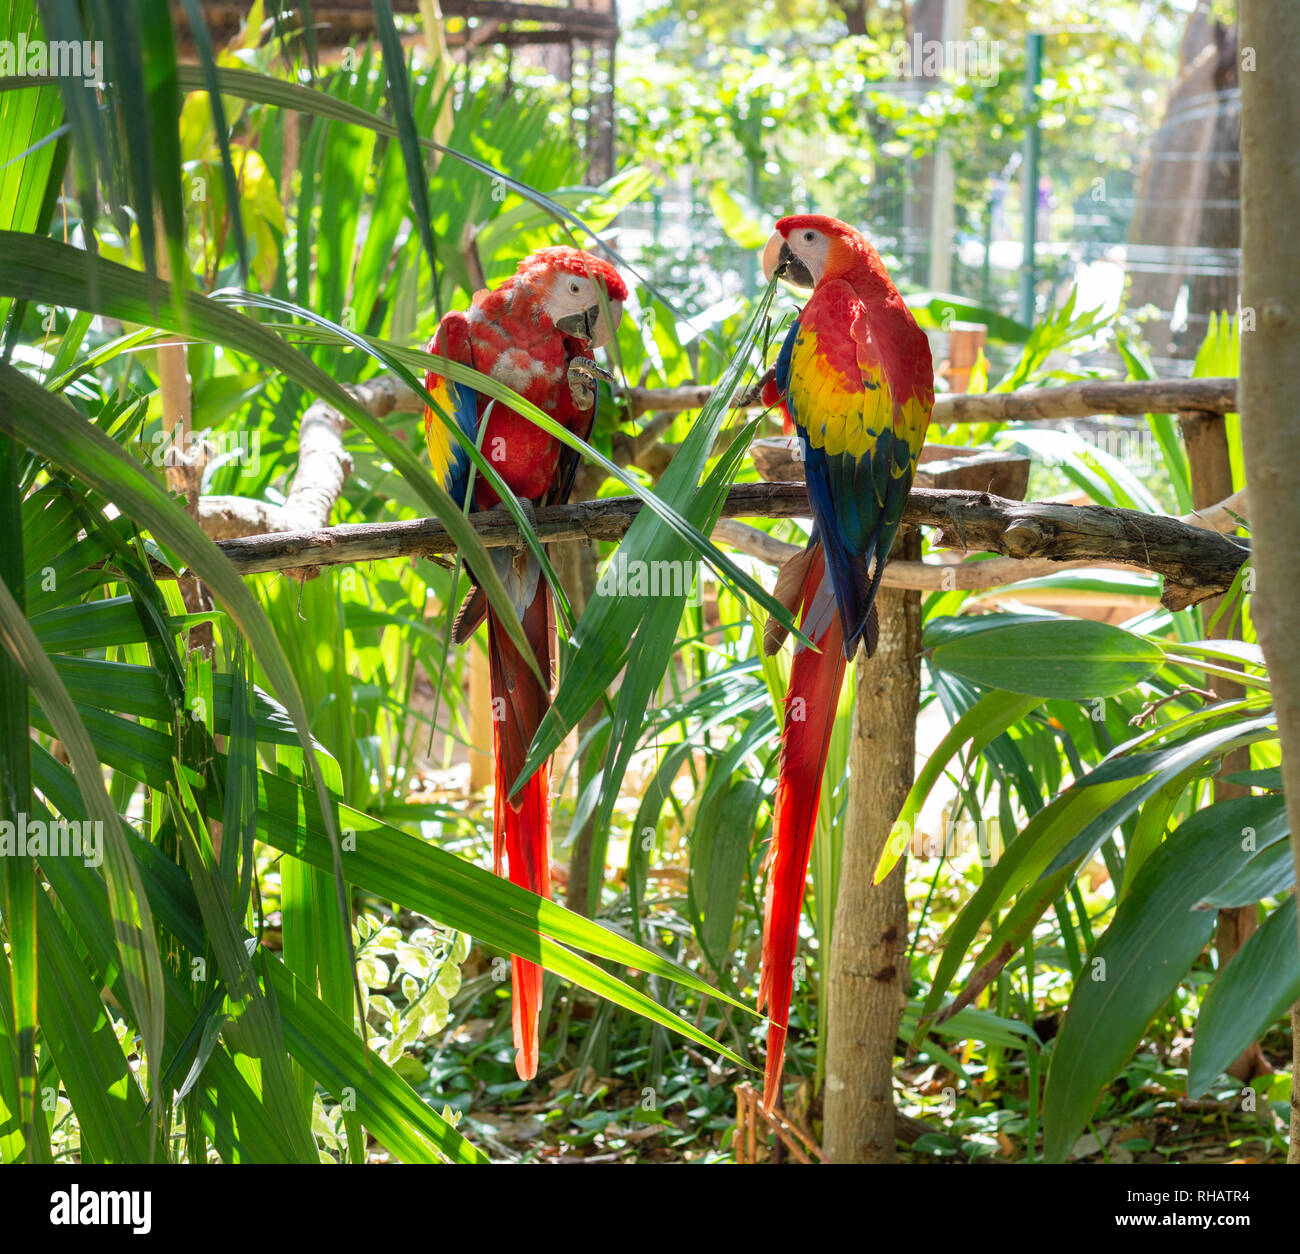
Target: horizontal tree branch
{"points": [[948, 576], [943, 576], [1085, 398], [1226, 516], [1080, 399], [1195, 563], [323, 468]]}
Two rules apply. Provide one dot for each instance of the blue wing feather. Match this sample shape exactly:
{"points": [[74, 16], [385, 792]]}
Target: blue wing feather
{"points": [[450, 461], [838, 486], [783, 359]]}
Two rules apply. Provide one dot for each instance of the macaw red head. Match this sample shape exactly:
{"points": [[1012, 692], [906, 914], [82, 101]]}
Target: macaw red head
{"points": [[568, 282], [806, 248]]}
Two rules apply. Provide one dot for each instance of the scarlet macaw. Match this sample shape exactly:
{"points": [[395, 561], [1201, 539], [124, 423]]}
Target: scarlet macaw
{"points": [[533, 333], [856, 379]]}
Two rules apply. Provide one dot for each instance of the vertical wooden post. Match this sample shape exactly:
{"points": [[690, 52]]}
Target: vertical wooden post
{"points": [[480, 720], [575, 564], [965, 347], [865, 979], [1205, 436]]}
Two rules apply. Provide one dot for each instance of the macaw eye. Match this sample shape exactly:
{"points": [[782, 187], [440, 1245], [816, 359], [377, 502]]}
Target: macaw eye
{"points": [[574, 286], [808, 237]]}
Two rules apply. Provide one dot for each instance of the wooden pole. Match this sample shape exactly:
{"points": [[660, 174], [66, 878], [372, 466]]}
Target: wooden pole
{"points": [[866, 980], [1205, 436], [481, 771]]}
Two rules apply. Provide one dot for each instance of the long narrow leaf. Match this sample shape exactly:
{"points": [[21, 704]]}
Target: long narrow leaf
{"points": [[132, 921]]}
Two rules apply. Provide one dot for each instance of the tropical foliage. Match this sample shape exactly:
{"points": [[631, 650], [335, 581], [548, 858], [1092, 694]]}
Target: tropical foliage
{"points": [[285, 945]]}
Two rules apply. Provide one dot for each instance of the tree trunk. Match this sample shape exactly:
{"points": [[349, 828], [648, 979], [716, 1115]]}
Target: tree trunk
{"points": [[1293, 1156], [855, 15], [925, 20], [1270, 367], [865, 979]]}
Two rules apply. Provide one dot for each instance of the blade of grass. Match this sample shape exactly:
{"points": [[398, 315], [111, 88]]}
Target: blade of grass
{"points": [[18, 881], [207, 60]]}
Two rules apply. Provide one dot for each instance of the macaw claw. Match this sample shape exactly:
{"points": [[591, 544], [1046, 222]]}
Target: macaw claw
{"points": [[583, 373]]}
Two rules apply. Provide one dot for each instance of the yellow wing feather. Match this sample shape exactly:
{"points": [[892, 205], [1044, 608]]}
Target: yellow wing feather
{"points": [[841, 415], [437, 436]]}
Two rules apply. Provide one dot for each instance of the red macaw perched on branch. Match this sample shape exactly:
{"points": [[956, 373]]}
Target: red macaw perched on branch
{"points": [[534, 334], [855, 377]]}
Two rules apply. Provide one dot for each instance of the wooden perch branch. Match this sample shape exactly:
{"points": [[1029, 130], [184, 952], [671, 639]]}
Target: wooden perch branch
{"points": [[1072, 400], [1033, 539], [995, 572], [1089, 397], [1196, 563], [323, 467]]}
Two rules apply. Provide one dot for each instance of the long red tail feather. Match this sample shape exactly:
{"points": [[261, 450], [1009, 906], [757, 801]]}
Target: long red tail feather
{"points": [[815, 680], [522, 830]]}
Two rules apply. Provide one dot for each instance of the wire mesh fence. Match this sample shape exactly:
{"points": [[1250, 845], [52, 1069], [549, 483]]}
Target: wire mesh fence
{"points": [[1154, 233]]}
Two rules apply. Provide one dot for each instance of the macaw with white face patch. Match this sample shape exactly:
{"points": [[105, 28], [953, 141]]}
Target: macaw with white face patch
{"points": [[856, 382], [528, 333], [534, 333]]}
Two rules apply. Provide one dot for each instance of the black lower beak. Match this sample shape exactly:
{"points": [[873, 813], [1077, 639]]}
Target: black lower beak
{"points": [[788, 266], [581, 325]]}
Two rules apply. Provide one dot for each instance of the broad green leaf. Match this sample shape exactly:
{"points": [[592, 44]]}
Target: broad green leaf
{"points": [[399, 98], [720, 856], [614, 628], [315, 1038], [1072, 658], [1155, 936], [1250, 995], [77, 1030], [202, 37], [256, 1017], [45, 269], [26, 118], [441, 885], [1071, 826], [18, 875], [1269, 874], [49, 424]]}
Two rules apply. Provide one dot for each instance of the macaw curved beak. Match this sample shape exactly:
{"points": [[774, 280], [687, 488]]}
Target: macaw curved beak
{"points": [[581, 326], [590, 326], [779, 260]]}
